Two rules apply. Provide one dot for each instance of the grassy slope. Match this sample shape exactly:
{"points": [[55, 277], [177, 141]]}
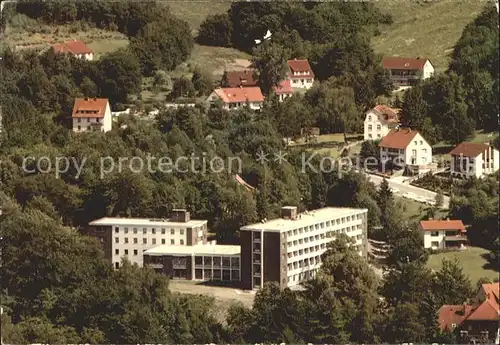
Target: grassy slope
{"points": [[425, 29], [195, 12], [471, 260]]}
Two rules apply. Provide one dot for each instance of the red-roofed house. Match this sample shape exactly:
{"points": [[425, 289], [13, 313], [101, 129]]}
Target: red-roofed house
{"points": [[405, 147], [236, 97], [405, 71], [91, 114], [238, 78], [477, 322], [76, 47], [300, 75], [284, 90], [442, 234], [379, 121], [474, 160]]}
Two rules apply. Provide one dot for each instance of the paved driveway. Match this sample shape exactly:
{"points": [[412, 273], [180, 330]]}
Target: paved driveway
{"points": [[408, 191]]}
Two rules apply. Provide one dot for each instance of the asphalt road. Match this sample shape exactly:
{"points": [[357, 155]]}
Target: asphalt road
{"points": [[409, 191]]}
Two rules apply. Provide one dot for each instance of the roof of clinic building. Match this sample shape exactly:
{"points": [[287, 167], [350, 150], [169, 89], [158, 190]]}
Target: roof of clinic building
{"points": [[198, 249], [107, 221], [304, 219]]}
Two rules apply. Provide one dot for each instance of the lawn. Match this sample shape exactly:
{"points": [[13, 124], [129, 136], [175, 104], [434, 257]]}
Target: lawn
{"points": [[472, 261], [329, 144], [426, 29], [441, 150], [195, 12], [27, 33]]}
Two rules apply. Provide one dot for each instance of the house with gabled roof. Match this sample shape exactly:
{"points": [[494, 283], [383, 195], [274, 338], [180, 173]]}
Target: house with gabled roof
{"points": [[443, 234], [476, 322], [75, 47], [237, 97], [300, 74], [406, 71], [405, 147], [474, 160], [379, 121], [91, 114]]}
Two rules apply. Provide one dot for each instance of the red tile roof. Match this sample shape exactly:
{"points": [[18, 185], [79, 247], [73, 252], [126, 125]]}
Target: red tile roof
{"points": [[74, 47], [392, 114], [89, 107], [240, 94], [391, 62], [240, 78], [486, 311], [433, 225], [452, 314], [492, 289], [285, 87], [398, 138], [469, 149], [300, 66]]}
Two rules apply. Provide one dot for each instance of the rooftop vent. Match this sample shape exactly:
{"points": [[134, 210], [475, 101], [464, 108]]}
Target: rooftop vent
{"points": [[289, 212], [180, 215]]}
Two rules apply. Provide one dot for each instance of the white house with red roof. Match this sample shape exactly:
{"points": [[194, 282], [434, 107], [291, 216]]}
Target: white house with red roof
{"points": [[474, 160], [284, 90], [379, 121], [75, 47], [237, 97], [91, 114], [405, 147], [300, 74], [443, 234], [406, 71]]}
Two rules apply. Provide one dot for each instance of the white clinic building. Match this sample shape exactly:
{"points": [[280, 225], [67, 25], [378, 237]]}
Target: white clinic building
{"points": [[131, 237]]}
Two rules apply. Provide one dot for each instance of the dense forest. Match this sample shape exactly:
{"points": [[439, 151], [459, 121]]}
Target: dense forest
{"points": [[56, 286]]}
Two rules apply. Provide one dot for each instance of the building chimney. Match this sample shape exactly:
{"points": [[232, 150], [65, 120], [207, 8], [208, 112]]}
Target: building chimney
{"points": [[448, 219], [289, 212], [86, 98], [430, 218], [487, 143], [95, 99], [180, 215]]}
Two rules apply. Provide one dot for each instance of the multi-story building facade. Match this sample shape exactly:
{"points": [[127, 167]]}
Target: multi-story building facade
{"points": [[198, 262], [379, 121], [474, 160], [443, 234], [405, 71], [404, 147], [130, 237], [288, 250], [91, 114]]}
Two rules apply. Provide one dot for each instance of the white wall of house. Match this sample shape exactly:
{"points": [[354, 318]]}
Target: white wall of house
{"points": [[428, 70], [374, 128], [89, 56], [477, 166], [417, 153], [85, 124], [434, 239], [301, 80], [235, 105], [283, 96]]}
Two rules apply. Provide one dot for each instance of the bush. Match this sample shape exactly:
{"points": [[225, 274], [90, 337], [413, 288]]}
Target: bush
{"points": [[216, 30]]}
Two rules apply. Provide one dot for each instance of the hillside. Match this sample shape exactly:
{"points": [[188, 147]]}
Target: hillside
{"points": [[419, 29], [428, 29]]}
